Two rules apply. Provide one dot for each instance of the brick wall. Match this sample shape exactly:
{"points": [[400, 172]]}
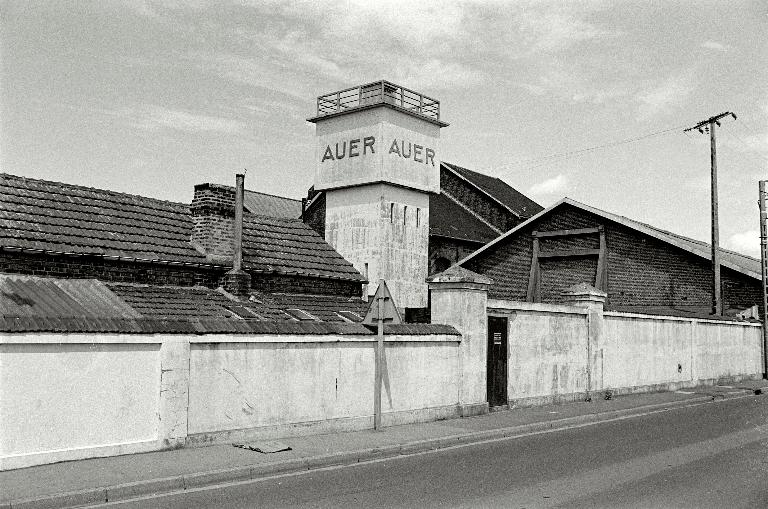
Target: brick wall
{"points": [[117, 271], [294, 284], [63, 266], [213, 214], [450, 249], [314, 215], [642, 271], [482, 205], [739, 291]]}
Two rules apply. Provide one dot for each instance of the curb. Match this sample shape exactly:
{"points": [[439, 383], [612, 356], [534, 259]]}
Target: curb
{"points": [[254, 472]]}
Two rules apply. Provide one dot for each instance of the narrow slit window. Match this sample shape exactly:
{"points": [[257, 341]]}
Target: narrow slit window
{"points": [[417, 217], [391, 212], [405, 214]]}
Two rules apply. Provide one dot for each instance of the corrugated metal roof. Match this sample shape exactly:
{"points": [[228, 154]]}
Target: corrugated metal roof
{"points": [[263, 204], [731, 259], [39, 304], [60, 298]]}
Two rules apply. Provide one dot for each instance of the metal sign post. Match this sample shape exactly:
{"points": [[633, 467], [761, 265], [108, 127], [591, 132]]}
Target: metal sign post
{"points": [[764, 267], [378, 369], [382, 309]]}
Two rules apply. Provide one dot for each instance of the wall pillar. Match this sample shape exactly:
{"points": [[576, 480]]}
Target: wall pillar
{"points": [[585, 296], [174, 392], [459, 298]]}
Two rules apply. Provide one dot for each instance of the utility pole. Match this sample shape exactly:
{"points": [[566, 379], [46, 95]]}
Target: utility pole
{"points": [[763, 203], [709, 125]]}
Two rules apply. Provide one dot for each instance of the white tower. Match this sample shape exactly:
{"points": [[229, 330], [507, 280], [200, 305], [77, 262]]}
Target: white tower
{"points": [[377, 159]]}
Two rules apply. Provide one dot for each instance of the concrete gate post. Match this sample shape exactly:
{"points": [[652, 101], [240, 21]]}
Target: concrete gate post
{"points": [[174, 392], [458, 298], [586, 296]]}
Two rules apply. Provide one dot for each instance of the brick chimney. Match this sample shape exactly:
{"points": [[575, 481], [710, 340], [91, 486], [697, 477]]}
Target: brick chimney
{"points": [[213, 213]]}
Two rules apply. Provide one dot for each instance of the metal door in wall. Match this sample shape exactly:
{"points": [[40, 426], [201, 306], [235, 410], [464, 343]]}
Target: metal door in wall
{"points": [[497, 361]]}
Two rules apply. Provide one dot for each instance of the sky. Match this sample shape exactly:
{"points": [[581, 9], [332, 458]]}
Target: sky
{"points": [[153, 97]]}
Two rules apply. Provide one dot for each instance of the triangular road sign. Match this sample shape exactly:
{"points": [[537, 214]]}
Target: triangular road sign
{"points": [[389, 311]]}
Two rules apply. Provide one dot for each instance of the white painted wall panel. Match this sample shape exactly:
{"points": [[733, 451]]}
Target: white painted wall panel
{"points": [[65, 396], [646, 351], [547, 354]]}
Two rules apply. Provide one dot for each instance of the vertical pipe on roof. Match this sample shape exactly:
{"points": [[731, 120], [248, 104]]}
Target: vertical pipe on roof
{"points": [[238, 241]]}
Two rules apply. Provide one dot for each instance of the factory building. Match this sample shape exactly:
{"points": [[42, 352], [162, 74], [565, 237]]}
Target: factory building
{"points": [[643, 269]]}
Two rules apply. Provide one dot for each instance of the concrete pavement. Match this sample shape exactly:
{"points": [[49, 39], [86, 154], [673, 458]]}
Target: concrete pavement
{"points": [[98, 480]]}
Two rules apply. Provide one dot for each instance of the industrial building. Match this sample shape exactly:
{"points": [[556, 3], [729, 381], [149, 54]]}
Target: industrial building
{"points": [[642, 268]]}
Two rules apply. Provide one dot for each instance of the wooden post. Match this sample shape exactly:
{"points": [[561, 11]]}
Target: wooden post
{"points": [[710, 123], [533, 277], [717, 301], [764, 268], [378, 366]]}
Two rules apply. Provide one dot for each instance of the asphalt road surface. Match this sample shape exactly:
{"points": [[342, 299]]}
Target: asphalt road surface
{"points": [[712, 455]]}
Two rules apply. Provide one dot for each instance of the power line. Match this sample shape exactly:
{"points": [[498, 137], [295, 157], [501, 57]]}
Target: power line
{"points": [[746, 146], [747, 127], [541, 161]]}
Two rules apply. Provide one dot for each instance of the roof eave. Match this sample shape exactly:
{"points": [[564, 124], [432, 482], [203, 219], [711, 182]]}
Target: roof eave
{"points": [[620, 220]]}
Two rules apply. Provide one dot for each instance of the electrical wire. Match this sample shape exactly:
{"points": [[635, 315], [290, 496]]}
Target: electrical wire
{"points": [[541, 161], [750, 150]]}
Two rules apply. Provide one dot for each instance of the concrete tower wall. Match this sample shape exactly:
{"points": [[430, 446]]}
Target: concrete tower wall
{"points": [[377, 145], [384, 231]]}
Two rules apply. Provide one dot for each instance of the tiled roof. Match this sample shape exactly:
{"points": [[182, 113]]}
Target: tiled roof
{"points": [[51, 216], [449, 219], [269, 205], [499, 190], [173, 302], [289, 246], [63, 218], [24, 324], [323, 307], [419, 329], [703, 312]]}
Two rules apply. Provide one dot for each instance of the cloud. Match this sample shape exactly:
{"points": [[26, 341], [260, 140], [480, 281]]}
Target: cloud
{"points": [[550, 30], [747, 242], [550, 186], [191, 122], [152, 118], [671, 93], [700, 183], [714, 46]]}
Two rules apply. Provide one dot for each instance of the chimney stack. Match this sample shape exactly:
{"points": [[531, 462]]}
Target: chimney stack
{"points": [[237, 264], [213, 215], [236, 281]]}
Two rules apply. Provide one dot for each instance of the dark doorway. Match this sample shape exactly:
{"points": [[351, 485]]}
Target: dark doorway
{"points": [[497, 361]]}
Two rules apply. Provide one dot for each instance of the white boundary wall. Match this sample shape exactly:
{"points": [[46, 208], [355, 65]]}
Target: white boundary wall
{"points": [[561, 353], [74, 396], [645, 350]]}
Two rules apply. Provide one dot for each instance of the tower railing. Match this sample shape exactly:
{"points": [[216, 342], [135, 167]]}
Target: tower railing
{"points": [[378, 92]]}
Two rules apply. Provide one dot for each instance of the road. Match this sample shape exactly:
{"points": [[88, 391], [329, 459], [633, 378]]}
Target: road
{"points": [[712, 455]]}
